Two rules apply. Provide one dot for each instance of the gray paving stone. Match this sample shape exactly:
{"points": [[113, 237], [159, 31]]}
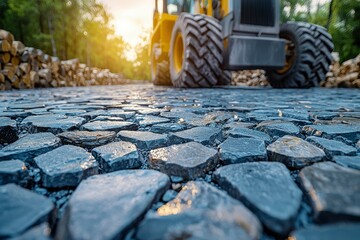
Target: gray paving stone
{"points": [[334, 192], [144, 140], [189, 160], [200, 211], [30, 146], [149, 120], [348, 131], [332, 147], [185, 117], [13, 171], [65, 166], [232, 125], [239, 150], [267, 189], [26, 105], [107, 118], [167, 127], [294, 152], [278, 128], [150, 111], [120, 113], [54, 123], [241, 132], [324, 115], [344, 231], [67, 112], [117, 156], [39, 232], [8, 132], [20, 209], [87, 139], [205, 135], [348, 161], [109, 126], [14, 114], [114, 201]]}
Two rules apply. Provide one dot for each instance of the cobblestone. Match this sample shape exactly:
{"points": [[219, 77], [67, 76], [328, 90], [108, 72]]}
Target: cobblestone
{"points": [[117, 156], [13, 171], [256, 183], [189, 160], [65, 166], [314, 132], [332, 197], [20, 209]]}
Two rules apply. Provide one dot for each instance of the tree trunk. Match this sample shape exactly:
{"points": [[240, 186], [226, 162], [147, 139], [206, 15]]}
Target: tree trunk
{"points": [[51, 30], [330, 14]]}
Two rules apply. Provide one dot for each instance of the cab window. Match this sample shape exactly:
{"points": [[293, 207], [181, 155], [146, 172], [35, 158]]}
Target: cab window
{"points": [[174, 6]]}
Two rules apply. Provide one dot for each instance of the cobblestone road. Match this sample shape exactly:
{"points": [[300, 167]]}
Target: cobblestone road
{"points": [[139, 162]]}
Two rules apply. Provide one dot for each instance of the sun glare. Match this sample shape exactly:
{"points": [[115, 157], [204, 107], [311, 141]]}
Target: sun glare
{"points": [[131, 19]]}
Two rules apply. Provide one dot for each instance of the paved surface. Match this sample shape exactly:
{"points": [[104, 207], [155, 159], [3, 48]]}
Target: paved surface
{"points": [[144, 162]]}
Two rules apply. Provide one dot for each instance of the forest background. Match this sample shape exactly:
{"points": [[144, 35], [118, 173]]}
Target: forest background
{"points": [[83, 29]]}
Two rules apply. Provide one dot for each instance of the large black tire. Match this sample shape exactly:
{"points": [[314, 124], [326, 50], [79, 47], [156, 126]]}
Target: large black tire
{"points": [[225, 78], [309, 57], [160, 74], [202, 51]]}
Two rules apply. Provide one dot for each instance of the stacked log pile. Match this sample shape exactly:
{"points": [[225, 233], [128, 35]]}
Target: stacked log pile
{"points": [[249, 78], [26, 67], [344, 75]]}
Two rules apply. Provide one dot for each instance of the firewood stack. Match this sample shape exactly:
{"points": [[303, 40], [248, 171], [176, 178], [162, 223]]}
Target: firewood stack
{"points": [[249, 78], [26, 67], [344, 75]]}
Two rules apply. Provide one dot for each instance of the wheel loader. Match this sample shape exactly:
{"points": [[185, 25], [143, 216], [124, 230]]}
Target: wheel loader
{"points": [[197, 43]]}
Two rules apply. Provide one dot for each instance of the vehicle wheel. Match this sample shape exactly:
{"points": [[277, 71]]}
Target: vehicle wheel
{"points": [[196, 49], [225, 78], [308, 56], [160, 75]]}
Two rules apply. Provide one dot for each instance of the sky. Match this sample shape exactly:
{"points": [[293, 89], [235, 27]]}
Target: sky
{"points": [[130, 17]]}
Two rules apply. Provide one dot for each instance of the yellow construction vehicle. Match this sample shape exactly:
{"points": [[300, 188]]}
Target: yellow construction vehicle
{"points": [[196, 43]]}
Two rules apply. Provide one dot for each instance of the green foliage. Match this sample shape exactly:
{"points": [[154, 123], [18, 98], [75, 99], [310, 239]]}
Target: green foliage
{"points": [[344, 21], [72, 29]]}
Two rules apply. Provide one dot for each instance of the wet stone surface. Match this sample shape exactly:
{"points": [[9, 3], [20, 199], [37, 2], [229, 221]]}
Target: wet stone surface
{"points": [[53, 123], [348, 161], [332, 147], [241, 132], [30, 146], [117, 156], [114, 201], [109, 126], [200, 211], [294, 152], [263, 182], [167, 127], [189, 160], [20, 209], [186, 134], [65, 166], [144, 140], [205, 135], [278, 129], [87, 139], [334, 192], [343, 231], [239, 150], [13, 171], [347, 131]]}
